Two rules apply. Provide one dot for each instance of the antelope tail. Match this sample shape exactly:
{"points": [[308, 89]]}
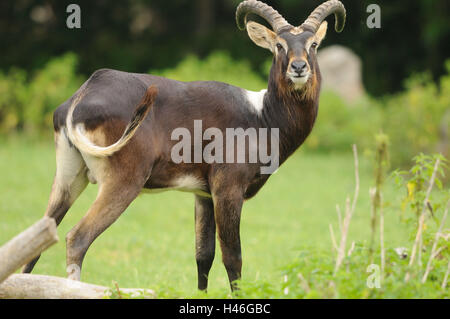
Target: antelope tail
{"points": [[81, 141]]}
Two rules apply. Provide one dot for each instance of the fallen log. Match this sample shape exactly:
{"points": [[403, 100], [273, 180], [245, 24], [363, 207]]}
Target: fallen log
{"points": [[26, 246], [28, 286]]}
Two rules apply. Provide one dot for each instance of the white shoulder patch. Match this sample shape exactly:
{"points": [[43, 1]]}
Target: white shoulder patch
{"points": [[256, 99]]}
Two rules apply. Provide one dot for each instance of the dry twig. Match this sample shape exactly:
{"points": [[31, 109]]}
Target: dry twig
{"points": [[434, 253], [444, 282], [422, 218], [348, 214], [333, 239]]}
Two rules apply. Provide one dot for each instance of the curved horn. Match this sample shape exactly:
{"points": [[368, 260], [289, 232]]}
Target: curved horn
{"points": [[323, 11], [263, 10]]}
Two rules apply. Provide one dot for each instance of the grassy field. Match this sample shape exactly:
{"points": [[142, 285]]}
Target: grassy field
{"points": [[152, 243]]}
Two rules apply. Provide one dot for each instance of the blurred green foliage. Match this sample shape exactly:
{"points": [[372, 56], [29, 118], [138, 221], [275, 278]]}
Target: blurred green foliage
{"points": [[27, 101], [415, 119], [418, 120], [138, 35], [219, 66], [13, 98]]}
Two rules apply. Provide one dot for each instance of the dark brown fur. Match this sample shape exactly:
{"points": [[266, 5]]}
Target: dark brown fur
{"points": [[108, 110]]}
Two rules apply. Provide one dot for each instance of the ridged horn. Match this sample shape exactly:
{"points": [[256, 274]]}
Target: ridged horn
{"points": [[322, 12], [265, 11]]}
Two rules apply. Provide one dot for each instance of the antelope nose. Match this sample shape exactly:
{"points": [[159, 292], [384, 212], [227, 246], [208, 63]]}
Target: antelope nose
{"points": [[298, 66]]}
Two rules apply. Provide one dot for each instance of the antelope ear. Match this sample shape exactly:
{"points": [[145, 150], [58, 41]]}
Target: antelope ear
{"points": [[261, 35], [320, 34]]}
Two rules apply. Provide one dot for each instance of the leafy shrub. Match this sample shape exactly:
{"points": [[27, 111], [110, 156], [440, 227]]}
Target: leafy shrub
{"points": [[27, 102], [415, 118], [219, 66], [49, 87], [415, 182], [338, 125], [310, 276], [13, 98]]}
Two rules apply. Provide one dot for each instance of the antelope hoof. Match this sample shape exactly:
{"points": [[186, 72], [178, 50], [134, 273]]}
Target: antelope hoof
{"points": [[73, 272]]}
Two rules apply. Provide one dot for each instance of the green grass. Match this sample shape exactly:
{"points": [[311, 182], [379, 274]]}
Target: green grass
{"points": [[152, 244]]}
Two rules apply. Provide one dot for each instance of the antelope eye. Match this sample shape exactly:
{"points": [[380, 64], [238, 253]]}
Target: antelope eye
{"points": [[314, 45], [279, 46]]}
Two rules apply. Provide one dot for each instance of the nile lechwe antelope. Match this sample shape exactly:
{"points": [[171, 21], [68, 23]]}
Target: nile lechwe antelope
{"points": [[116, 131]]}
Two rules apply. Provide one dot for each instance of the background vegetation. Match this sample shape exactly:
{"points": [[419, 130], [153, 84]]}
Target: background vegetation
{"points": [[137, 35], [416, 118], [152, 245], [287, 247]]}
